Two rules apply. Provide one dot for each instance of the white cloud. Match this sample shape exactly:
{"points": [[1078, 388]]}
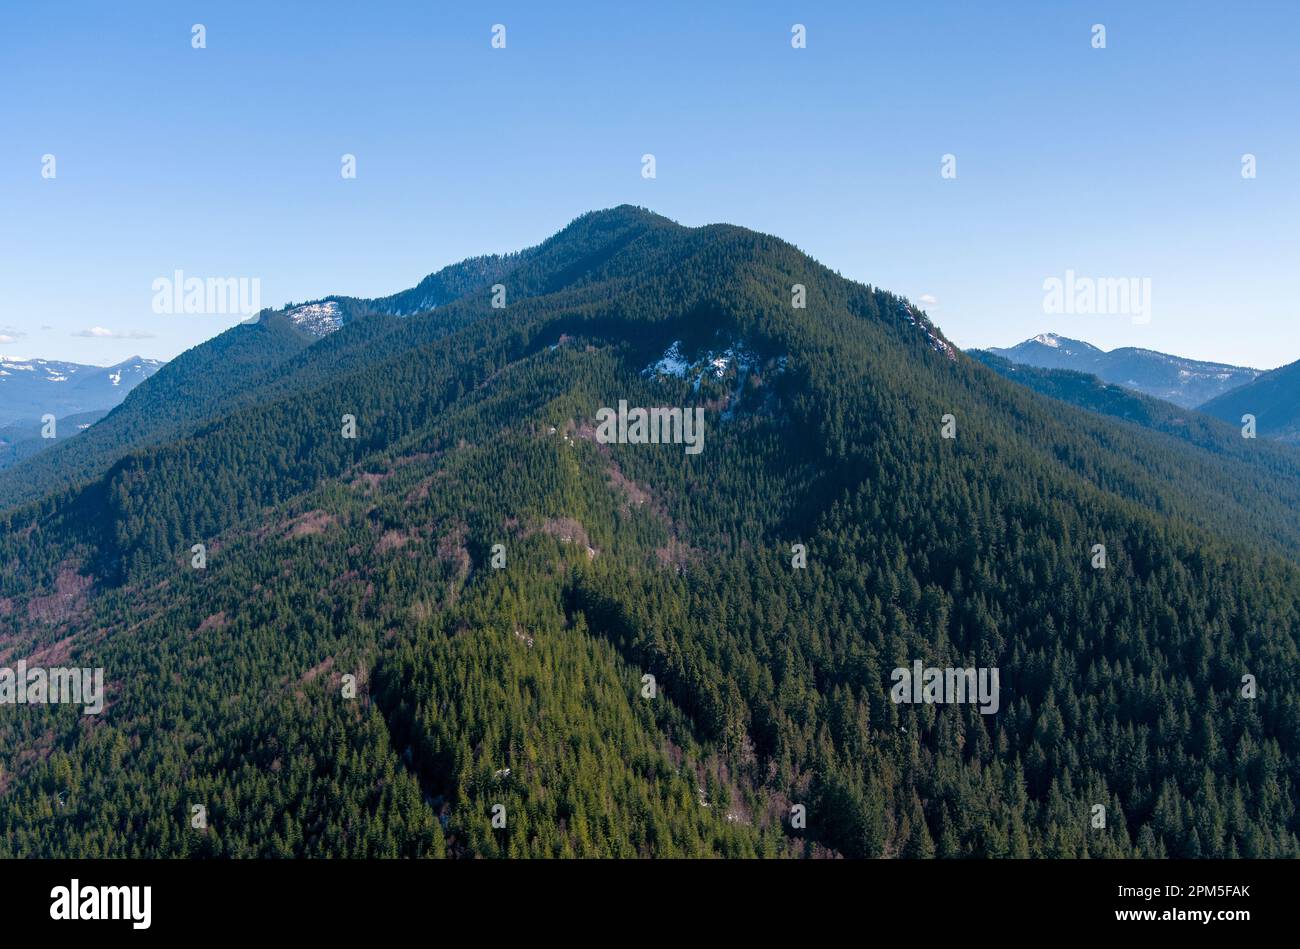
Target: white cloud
{"points": [[929, 299], [103, 332]]}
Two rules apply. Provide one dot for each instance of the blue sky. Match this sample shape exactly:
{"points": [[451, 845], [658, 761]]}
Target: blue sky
{"points": [[225, 161]]}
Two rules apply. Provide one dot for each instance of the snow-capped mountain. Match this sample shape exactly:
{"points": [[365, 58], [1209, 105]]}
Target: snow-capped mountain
{"points": [[31, 388], [1185, 382]]}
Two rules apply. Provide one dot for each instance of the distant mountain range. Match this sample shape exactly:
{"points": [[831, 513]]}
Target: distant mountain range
{"points": [[31, 388], [1185, 382]]}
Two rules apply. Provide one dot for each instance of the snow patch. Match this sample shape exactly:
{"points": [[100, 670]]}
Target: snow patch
{"points": [[714, 363], [731, 366], [318, 319], [671, 364]]}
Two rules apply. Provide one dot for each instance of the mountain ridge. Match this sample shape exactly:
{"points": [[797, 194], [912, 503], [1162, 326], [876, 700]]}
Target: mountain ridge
{"points": [[1183, 381]]}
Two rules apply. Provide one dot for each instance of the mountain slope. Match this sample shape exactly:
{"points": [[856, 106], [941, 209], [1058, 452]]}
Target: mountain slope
{"points": [[500, 582], [1185, 382], [1274, 400]]}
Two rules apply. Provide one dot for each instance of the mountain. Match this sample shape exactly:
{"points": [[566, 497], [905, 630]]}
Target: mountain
{"points": [[1185, 382], [441, 608], [31, 388], [1274, 400]]}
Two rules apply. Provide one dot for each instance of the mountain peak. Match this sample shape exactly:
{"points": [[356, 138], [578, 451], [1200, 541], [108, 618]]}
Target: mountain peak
{"points": [[625, 213], [1057, 341]]}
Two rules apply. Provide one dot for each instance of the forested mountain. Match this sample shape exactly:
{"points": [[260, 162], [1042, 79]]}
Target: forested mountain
{"points": [[497, 582], [1274, 400], [1185, 382]]}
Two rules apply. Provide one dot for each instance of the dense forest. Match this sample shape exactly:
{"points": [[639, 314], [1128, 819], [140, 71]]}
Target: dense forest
{"points": [[433, 638]]}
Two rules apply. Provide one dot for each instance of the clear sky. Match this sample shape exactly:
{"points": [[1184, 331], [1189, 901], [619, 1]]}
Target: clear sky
{"points": [[225, 161]]}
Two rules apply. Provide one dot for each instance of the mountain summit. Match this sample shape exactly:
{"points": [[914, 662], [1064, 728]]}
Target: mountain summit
{"points": [[1063, 345]]}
